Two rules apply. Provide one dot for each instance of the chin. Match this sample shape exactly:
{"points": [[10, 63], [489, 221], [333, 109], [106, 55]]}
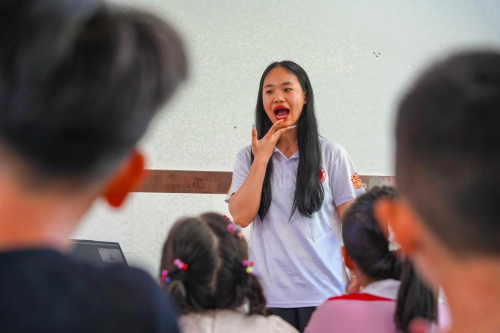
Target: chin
{"points": [[288, 122]]}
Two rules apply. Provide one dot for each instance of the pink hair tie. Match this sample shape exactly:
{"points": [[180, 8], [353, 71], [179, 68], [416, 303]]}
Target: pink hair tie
{"points": [[164, 276], [234, 230], [180, 265], [231, 228], [249, 265]]}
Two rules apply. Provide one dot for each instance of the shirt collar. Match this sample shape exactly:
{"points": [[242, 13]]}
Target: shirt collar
{"points": [[296, 155], [384, 288]]}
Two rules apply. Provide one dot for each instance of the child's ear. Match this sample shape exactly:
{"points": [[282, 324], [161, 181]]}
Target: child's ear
{"points": [[403, 221], [349, 263], [125, 179]]}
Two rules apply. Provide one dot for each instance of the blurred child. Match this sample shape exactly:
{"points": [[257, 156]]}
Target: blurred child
{"points": [[80, 82], [447, 166], [205, 268], [391, 296]]}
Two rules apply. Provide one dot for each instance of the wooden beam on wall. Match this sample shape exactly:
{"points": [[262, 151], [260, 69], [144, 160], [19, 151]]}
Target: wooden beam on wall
{"points": [[213, 182]]}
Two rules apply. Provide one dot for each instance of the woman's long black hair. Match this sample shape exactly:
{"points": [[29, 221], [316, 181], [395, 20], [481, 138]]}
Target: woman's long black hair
{"points": [[309, 192], [367, 246]]}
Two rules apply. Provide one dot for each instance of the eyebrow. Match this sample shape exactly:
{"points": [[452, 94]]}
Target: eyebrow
{"points": [[283, 84]]}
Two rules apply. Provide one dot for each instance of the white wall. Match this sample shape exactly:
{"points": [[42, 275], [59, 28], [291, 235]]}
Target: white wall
{"points": [[141, 226], [337, 42]]}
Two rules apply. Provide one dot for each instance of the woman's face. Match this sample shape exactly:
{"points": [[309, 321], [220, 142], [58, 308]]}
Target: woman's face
{"points": [[283, 97]]}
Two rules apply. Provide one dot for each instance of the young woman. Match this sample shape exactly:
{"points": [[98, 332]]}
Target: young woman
{"points": [[289, 185], [205, 268], [392, 296]]}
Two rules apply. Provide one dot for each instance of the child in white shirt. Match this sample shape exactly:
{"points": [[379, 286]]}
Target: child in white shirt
{"points": [[205, 268]]}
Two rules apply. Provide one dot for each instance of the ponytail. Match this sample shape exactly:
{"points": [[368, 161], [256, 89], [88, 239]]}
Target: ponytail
{"points": [[415, 299], [191, 242], [368, 247], [255, 296], [177, 290], [236, 286]]}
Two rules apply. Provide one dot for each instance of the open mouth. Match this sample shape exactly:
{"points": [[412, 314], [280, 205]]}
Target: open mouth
{"points": [[281, 113]]}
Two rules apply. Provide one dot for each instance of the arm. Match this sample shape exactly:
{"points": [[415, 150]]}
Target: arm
{"points": [[343, 179], [344, 207], [244, 204]]}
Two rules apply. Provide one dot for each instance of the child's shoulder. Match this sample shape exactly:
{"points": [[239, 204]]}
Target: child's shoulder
{"points": [[255, 322], [269, 324]]}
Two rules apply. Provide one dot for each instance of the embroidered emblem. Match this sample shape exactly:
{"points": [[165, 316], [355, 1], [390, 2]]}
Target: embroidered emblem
{"points": [[356, 181], [322, 175]]}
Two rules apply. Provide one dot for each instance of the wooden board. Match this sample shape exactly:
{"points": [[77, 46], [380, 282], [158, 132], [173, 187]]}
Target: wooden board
{"points": [[213, 182]]}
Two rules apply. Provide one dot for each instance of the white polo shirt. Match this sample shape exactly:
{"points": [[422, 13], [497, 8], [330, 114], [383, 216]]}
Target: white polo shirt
{"points": [[298, 260]]}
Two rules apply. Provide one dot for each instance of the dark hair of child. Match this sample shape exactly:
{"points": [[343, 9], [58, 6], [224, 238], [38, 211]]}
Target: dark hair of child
{"points": [[77, 95], [447, 159], [216, 276], [366, 244]]}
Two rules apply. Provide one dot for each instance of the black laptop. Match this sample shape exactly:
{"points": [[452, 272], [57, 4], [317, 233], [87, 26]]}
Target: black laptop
{"points": [[99, 252]]}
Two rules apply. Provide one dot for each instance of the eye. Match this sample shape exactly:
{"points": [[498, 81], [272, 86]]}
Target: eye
{"points": [[288, 89], [269, 92]]}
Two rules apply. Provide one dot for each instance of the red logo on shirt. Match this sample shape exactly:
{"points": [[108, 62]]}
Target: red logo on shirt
{"points": [[322, 175], [356, 181]]}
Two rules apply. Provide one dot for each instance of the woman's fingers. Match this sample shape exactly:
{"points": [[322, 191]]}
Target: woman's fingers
{"points": [[254, 135], [279, 132], [273, 128]]}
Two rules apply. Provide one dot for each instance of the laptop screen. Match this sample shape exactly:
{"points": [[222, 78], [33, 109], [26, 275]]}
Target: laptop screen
{"points": [[98, 252]]}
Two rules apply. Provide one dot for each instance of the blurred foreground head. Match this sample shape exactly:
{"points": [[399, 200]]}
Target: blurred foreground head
{"points": [[447, 166], [448, 151], [80, 82]]}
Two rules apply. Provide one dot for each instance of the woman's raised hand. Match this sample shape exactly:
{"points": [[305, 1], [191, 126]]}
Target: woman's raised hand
{"points": [[263, 149]]}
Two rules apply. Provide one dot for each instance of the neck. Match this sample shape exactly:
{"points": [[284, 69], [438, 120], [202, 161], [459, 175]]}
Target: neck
{"points": [[288, 139], [37, 219], [473, 291], [363, 279]]}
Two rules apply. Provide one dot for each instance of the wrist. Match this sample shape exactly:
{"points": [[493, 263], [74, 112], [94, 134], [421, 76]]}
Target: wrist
{"points": [[259, 161]]}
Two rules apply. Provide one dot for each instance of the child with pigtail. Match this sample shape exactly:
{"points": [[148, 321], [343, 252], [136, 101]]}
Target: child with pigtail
{"points": [[205, 268]]}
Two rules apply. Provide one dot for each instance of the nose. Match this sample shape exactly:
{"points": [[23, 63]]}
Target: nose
{"points": [[278, 97]]}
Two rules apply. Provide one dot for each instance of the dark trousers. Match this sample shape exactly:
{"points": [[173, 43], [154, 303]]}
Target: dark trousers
{"points": [[297, 317]]}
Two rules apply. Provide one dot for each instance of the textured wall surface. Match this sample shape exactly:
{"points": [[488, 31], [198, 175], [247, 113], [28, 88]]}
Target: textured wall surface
{"points": [[359, 56], [142, 226]]}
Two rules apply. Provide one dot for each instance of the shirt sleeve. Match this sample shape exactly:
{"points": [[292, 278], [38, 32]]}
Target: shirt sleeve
{"points": [[345, 182], [240, 171]]}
